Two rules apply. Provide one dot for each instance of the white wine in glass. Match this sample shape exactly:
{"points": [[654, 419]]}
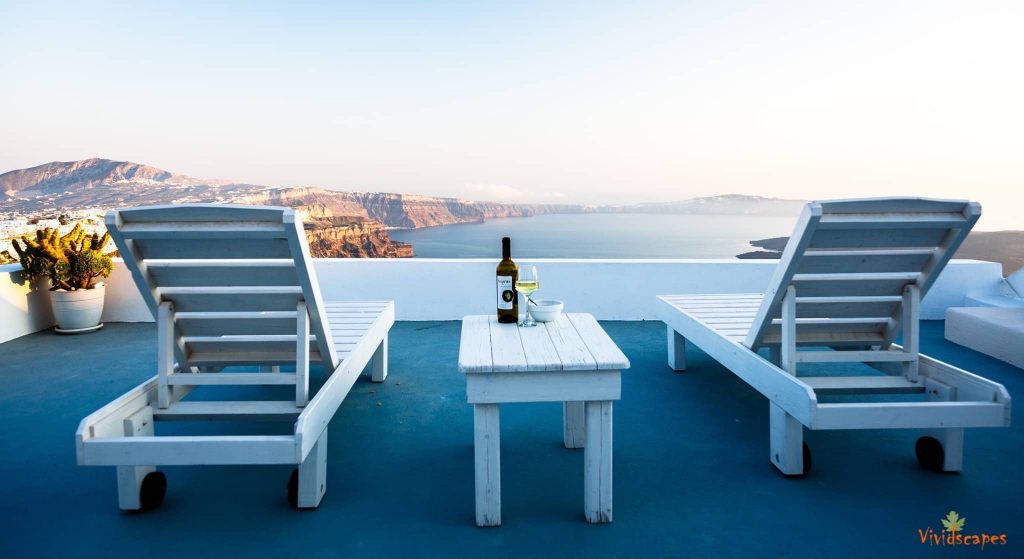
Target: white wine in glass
{"points": [[527, 283]]}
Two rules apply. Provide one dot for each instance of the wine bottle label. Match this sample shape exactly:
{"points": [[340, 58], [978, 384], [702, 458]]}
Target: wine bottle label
{"points": [[506, 295]]}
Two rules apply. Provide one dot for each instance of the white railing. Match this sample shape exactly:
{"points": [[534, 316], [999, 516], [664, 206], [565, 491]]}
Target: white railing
{"points": [[448, 289]]}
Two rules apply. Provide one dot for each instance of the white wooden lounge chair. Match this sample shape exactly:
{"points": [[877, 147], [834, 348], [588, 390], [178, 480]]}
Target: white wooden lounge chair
{"points": [[231, 286], [850, 279]]}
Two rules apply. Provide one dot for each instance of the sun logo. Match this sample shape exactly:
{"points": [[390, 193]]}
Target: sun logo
{"points": [[953, 522]]}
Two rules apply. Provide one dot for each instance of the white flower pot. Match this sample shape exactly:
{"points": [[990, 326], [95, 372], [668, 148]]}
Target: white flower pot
{"points": [[78, 311]]}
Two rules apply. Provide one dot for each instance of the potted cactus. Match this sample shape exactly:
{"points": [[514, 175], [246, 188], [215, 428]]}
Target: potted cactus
{"points": [[73, 263]]}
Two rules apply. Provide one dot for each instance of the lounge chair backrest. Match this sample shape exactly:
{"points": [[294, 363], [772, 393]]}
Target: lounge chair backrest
{"points": [[235, 275], [850, 262]]}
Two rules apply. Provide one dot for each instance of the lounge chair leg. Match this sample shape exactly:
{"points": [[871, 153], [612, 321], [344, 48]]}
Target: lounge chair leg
{"points": [[129, 478], [313, 475], [597, 462], [573, 424], [949, 454], [380, 362], [487, 449], [952, 439], [676, 350], [787, 437]]}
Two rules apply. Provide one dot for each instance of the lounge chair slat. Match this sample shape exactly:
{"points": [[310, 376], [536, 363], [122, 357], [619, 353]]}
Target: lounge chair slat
{"points": [[239, 346], [858, 276], [198, 274], [851, 287], [240, 338], [845, 310], [267, 356], [188, 213], [256, 323], [232, 249], [832, 321], [234, 410], [200, 230], [200, 379], [873, 384], [894, 205], [722, 305], [892, 220], [714, 298], [859, 300], [348, 327], [865, 261], [892, 237], [727, 320], [854, 357], [830, 338], [250, 302], [236, 315]]}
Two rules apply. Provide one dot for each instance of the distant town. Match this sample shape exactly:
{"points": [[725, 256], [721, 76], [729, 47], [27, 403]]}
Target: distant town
{"points": [[14, 225]]}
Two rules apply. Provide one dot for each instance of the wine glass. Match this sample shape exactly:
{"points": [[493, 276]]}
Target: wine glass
{"points": [[526, 284]]}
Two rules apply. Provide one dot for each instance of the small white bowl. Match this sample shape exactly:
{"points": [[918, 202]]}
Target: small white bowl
{"points": [[546, 310]]}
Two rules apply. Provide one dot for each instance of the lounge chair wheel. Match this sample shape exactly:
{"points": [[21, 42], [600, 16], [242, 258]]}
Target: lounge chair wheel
{"points": [[293, 489], [152, 490], [807, 458], [930, 453]]}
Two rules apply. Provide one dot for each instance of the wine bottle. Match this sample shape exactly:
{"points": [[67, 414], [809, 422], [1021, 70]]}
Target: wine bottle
{"points": [[508, 273]]}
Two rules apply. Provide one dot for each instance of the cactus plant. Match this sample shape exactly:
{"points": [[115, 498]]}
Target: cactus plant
{"points": [[73, 261]]}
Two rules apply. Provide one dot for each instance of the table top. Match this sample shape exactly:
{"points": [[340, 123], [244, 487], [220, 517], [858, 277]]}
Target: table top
{"points": [[575, 342]]}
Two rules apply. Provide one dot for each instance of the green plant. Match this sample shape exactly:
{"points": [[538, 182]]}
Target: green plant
{"points": [[71, 262]]}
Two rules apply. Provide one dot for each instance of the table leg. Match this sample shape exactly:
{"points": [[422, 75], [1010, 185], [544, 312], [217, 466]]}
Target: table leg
{"points": [[487, 448], [597, 462], [573, 424]]}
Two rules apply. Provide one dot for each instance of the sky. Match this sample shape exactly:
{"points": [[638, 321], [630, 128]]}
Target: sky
{"points": [[545, 102]]}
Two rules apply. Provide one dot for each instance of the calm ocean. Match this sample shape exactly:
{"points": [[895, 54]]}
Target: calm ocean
{"points": [[599, 236]]}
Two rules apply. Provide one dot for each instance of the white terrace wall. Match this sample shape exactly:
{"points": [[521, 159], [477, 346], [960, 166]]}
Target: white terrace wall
{"points": [[448, 289]]}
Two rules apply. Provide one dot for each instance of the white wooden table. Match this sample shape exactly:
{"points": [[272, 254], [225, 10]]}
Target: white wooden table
{"points": [[571, 361]]}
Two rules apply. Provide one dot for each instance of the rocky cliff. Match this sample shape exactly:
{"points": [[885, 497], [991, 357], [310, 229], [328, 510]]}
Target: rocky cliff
{"points": [[408, 211], [352, 237]]}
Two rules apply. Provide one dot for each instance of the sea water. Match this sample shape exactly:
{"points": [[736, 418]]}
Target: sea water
{"points": [[599, 236]]}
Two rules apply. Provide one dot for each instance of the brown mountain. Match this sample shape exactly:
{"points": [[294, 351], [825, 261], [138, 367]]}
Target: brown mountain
{"points": [[60, 177]]}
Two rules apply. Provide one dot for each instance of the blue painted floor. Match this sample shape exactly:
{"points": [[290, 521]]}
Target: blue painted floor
{"points": [[692, 476]]}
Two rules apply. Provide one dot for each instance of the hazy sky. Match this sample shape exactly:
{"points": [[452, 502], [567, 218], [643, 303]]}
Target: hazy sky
{"points": [[593, 102]]}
